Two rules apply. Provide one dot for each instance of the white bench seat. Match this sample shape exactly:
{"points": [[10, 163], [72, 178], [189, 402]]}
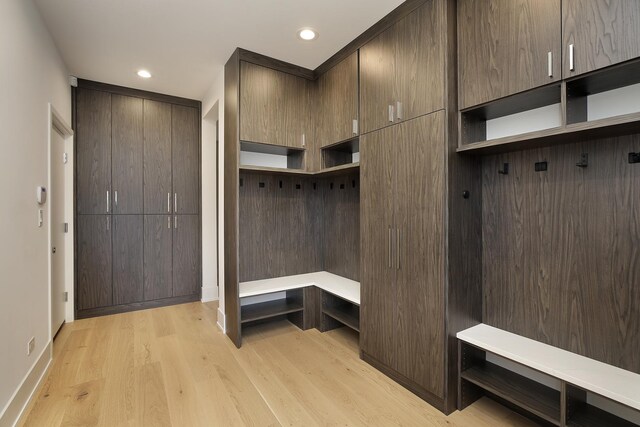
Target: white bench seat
{"points": [[597, 377], [339, 286]]}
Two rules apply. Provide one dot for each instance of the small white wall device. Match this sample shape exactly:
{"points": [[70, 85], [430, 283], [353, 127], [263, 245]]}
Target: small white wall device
{"points": [[41, 195]]}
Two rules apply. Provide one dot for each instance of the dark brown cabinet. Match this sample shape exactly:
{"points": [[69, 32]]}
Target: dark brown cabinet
{"points": [[95, 284], [93, 135], [598, 33], [139, 166], [337, 116], [274, 107], [128, 242], [402, 247], [506, 47], [402, 70]]}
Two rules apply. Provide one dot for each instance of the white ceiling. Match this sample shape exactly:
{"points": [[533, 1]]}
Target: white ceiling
{"points": [[183, 43]]}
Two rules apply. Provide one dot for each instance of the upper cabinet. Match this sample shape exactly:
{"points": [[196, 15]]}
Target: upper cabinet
{"points": [[337, 117], [598, 33], [274, 107], [507, 46], [402, 69]]}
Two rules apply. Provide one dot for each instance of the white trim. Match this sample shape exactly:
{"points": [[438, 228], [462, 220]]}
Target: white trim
{"points": [[209, 293], [16, 406], [222, 323]]}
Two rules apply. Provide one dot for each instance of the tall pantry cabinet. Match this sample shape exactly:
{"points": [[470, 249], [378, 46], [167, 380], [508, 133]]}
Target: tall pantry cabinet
{"points": [[420, 278], [138, 199]]}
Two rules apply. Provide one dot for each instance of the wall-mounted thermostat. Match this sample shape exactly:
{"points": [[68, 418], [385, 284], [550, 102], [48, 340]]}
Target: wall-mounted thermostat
{"points": [[41, 195]]}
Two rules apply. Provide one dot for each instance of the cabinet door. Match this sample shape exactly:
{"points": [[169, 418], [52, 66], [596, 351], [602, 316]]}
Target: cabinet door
{"points": [[157, 158], [185, 148], [296, 120], [157, 257], [186, 255], [421, 194], [377, 277], [93, 133], [338, 102], [127, 150], [128, 252], [420, 61], [94, 261], [504, 45], [602, 32], [377, 81]]}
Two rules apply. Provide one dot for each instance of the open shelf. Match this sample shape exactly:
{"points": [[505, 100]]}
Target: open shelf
{"points": [[341, 154], [348, 315], [272, 170], [336, 170], [590, 416], [266, 310], [527, 394], [259, 156]]}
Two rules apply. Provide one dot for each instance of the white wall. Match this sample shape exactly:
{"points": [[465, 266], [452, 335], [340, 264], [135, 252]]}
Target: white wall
{"points": [[32, 74], [211, 102]]}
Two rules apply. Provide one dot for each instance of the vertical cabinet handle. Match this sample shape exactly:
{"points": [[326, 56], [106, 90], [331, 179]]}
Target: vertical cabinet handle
{"points": [[175, 221], [175, 202], [168, 202], [304, 140], [391, 113], [399, 112], [355, 126], [397, 248], [169, 222], [108, 223], [571, 64], [107, 201], [390, 251], [115, 197], [550, 63]]}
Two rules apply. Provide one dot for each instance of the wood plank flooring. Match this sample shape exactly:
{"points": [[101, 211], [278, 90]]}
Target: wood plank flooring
{"points": [[172, 366]]}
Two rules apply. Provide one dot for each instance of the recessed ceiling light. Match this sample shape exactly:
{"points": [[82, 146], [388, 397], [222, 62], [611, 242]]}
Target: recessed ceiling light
{"points": [[307, 34], [144, 74]]}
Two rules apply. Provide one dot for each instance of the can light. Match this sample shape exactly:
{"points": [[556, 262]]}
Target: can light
{"points": [[307, 34], [144, 74]]}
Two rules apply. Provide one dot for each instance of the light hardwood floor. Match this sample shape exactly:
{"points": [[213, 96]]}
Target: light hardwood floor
{"points": [[173, 367]]}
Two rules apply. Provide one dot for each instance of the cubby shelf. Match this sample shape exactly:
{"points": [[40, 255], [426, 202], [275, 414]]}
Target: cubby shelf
{"points": [[347, 314], [590, 416], [270, 170], [266, 310]]}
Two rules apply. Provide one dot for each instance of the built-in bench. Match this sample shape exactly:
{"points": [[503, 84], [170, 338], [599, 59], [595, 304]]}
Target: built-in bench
{"points": [[335, 298], [561, 399]]}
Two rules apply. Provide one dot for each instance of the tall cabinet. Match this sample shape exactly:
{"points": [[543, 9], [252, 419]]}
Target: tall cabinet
{"points": [[138, 199]]}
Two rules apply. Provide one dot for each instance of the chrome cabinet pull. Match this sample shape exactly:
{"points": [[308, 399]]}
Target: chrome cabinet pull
{"points": [[398, 248], [391, 113], [107, 201], [115, 196], [571, 64], [550, 63], [168, 202], [304, 140], [108, 223], [175, 221], [355, 126], [175, 202], [390, 256], [399, 112]]}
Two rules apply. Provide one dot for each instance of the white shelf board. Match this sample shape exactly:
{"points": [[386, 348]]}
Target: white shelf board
{"points": [[337, 285], [600, 378]]}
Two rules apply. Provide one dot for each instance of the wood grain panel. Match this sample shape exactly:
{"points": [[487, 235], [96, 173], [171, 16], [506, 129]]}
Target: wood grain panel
{"points": [[420, 221], [186, 255], [157, 158], [575, 232], [341, 229], [185, 159], [94, 266], [378, 309], [127, 150], [337, 101], [603, 33], [503, 47], [158, 264], [93, 150], [128, 258]]}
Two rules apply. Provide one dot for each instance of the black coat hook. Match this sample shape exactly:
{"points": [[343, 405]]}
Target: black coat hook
{"points": [[634, 158], [504, 170], [584, 161]]}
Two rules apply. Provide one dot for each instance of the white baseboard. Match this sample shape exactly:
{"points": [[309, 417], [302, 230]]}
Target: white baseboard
{"points": [[221, 321], [209, 293], [23, 395]]}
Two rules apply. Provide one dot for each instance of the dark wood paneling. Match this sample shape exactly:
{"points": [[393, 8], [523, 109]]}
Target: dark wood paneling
{"points": [[503, 47], [186, 255], [560, 264], [158, 264], [231, 181], [127, 150], [157, 158], [420, 242], [312, 307], [124, 308], [185, 159], [603, 33], [276, 64], [93, 150], [128, 256], [337, 102], [377, 276], [94, 261], [388, 20], [341, 229], [126, 91]]}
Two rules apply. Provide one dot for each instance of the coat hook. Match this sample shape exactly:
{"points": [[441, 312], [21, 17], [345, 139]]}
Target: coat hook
{"points": [[584, 161], [280, 184], [541, 166], [342, 186], [331, 186], [353, 183], [297, 186], [504, 170], [634, 158], [261, 184], [314, 185], [241, 182]]}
